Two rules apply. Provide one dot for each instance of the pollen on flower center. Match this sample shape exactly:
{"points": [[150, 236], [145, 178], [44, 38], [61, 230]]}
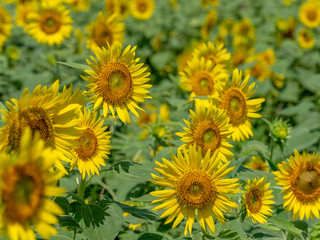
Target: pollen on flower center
{"points": [[234, 103], [254, 200], [207, 136], [202, 84], [22, 191], [312, 14], [308, 182], [50, 23], [195, 189], [89, 145], [115, 82]]}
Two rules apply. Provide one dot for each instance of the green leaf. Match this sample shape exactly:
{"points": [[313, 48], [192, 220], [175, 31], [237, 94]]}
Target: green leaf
{"points": [[285, 225], [148, 236], [67, 221], [86, 214], [110, 227], [255, 147], [63, 203], [98, 214], [228, 234], [312, 83], [75, 65]]}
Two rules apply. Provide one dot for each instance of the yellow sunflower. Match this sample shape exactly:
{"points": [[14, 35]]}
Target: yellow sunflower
{"points": [[5, 26], [23, 13], [244, 28], [94, 148], [309, 14], [210, 2], [306, 39], [26, 183], [217, 54], [78, 5], [51, 23], [142, 9], [202, 78], [260, 70], [209, 129], [196, 187], [257, 163], [53, 114], [234, 98], [117, 81], [300, 179], [105, 29], [119, 7], [257, 200]]}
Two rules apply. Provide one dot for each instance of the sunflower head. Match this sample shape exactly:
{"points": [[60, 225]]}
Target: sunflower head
{"points": [[306, 39], [257, 200], [234, 98], [50, 24], [280, 130], [256, 163], [142, 9], [5, 26], [94, 145], [209, 129], [117, 81], [300, 179], [105, 29], [195, 185], [26, 182], [309, 14]]}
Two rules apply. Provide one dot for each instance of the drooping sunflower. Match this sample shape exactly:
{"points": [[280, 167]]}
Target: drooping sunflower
{"points": [[202, 78], [26, 183], [50, 24], [234, 98], [216, 53], [309, 14], [300, 179], [53, 114], [196, 187], [142, 9], [117, 81], [209, 129], [94, 148], [5, 26], [306, 39], [257, 200], [105, 29]]}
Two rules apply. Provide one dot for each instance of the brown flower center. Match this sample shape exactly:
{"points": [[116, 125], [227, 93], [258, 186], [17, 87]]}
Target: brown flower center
{"points": [[308, 182], [142, 6], [102, 34], [254, 200], [115, 83], [202, 84], [235, 106], [22, 192], [207, 136], [89, 145], [50, 22], [312, 14], [195, 189]]}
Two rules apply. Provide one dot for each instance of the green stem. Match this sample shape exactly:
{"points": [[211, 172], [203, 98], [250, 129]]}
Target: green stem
{"points": [[82, 187], [271, 150]]}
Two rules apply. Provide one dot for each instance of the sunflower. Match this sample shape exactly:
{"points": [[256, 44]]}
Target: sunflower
{"points": [[257, 163], [300, 179], [217, 54], [306, 39], [53, 114], [260, 70], [196, 187], [78, 5], [26, 183], [209, 130], [117, 81], [245, 29], [120, 7], [209, 2], [23, 13], [50, 24], [142, 9], [257, 200], [5, 26], [202, 78], [235, 99], [105, 29], [94, 146], [309, 14]]}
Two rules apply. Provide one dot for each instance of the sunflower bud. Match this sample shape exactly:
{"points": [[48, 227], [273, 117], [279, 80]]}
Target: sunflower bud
{"points": [[280, 130]]}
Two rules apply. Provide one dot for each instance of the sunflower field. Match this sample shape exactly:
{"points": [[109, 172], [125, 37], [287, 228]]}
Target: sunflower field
{"points": [[159, 119]]}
